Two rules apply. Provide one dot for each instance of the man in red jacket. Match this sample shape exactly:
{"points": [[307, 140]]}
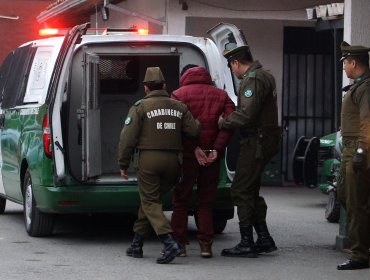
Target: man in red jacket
{"points": [[201, 157]]}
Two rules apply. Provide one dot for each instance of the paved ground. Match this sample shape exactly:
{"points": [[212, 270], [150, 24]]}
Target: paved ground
{"points": [[94, 247]]}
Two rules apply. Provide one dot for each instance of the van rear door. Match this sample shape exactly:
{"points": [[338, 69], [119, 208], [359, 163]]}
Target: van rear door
{"points": [[89, 118], [56, 92], [228, 36]]}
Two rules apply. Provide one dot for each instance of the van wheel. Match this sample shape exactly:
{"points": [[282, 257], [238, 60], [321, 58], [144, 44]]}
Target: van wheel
{"points": [[219, 224], [2, 204], [332, 210], [37, 223]]}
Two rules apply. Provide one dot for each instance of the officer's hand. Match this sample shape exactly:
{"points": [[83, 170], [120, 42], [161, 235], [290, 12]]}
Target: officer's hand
{"points": [[200, 156], [124, 173], [221, 120], [358, 160]]}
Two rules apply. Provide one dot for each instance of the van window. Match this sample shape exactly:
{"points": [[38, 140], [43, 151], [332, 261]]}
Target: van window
{"points": [[4, 73], [15, 85], [40, 74], [119, 74]]}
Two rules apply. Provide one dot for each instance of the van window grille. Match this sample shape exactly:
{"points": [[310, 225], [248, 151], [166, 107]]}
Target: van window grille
{"points": [[118, 75]]}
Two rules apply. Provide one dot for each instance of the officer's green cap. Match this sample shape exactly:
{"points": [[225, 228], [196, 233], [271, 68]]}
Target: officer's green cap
{"points": [[348, 50], [153, 74], [230, 53]]}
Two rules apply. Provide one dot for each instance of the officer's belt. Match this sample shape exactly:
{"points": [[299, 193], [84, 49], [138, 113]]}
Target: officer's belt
{"points": [[264, 132], [350, 142], [248, 134]]}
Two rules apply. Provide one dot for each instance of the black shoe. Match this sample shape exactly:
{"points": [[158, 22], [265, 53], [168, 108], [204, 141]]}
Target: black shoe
{"points": [[352, 265], [136, 248], [265, 243], [246, 247], [241, 251], [171, 249]]}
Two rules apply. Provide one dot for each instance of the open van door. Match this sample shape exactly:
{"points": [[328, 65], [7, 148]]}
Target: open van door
{"points": [[89, 118], [228, 36], [57, 90]]}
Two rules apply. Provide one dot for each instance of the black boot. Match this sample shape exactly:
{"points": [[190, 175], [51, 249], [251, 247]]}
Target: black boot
{"points": [[264, 243], [171, 248], [136, 248], [246, 246]]}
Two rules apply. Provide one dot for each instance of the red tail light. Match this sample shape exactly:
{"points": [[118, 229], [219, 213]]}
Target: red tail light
{"points": [[46, 136]]}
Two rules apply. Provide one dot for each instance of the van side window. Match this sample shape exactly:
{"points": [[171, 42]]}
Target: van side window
{"points": [[15, 85], [119, 74], [4, 73]]}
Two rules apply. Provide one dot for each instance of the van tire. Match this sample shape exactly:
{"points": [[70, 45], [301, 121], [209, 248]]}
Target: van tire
{"points": [[2, 204], [332, 209], [219, 223], [36, 222]]}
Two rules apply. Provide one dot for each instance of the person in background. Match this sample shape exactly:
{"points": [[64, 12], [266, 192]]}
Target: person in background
{"points": [[354, 175], [155, 126], [256, 116], [201, 164]]}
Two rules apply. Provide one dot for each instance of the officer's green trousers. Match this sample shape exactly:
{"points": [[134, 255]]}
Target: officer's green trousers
{"points": [[157, 174], [251, 207], [354, 195]]}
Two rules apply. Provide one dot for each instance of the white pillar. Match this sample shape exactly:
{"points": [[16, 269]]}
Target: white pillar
{"points": [[357, 22], [356, 25]]}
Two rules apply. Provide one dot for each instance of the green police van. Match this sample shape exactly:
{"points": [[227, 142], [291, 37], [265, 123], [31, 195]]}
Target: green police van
{"points": [[63, 102]]}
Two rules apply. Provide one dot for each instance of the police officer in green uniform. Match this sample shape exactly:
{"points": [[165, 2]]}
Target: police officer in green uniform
{"points": [[155, 126], [257, 118], [354, 176]]}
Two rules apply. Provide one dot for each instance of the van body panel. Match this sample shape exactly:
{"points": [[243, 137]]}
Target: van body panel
{"points": [[104, 198]]}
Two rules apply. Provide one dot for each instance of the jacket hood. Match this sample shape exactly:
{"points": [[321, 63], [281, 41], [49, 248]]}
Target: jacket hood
{"points": [[196, 75]]}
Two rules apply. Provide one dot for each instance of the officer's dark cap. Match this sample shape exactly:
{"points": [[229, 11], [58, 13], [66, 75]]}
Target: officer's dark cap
{"points": [[230, 54], [348, 50]]}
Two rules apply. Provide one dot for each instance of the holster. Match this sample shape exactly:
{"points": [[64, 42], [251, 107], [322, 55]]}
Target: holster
{"points": [[259, 151]]}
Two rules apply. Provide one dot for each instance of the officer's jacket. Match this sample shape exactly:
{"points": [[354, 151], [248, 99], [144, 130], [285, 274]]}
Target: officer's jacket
{"points": [[156, 122], [257, 102], [355, 114]]}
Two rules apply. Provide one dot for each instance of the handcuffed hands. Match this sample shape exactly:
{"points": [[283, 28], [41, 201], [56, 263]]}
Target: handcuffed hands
{"points": [[203, 158]]}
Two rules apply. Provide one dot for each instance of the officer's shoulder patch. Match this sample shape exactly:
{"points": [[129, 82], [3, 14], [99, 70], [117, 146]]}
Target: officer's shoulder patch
{"points": [[137, 103], [248, 92], [251, 75], [128, 120]]}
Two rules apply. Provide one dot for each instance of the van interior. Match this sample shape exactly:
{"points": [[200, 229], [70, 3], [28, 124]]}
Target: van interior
{"points": [[105, 81]]}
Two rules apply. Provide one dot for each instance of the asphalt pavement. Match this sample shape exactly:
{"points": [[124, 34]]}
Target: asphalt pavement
{"points": [[94, 247]]}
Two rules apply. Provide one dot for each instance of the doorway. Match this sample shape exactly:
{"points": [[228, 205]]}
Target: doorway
{"points": [[310, 105]]}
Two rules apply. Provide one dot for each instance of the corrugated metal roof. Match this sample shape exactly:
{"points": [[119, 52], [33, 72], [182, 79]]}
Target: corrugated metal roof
{"points": [[68, 8]]}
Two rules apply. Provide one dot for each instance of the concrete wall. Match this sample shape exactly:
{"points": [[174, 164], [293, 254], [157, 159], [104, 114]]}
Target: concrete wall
{"points": [[156, 9]]}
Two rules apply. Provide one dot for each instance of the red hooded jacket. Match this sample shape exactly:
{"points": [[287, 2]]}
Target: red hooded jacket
{"points": [[206, 103]]}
